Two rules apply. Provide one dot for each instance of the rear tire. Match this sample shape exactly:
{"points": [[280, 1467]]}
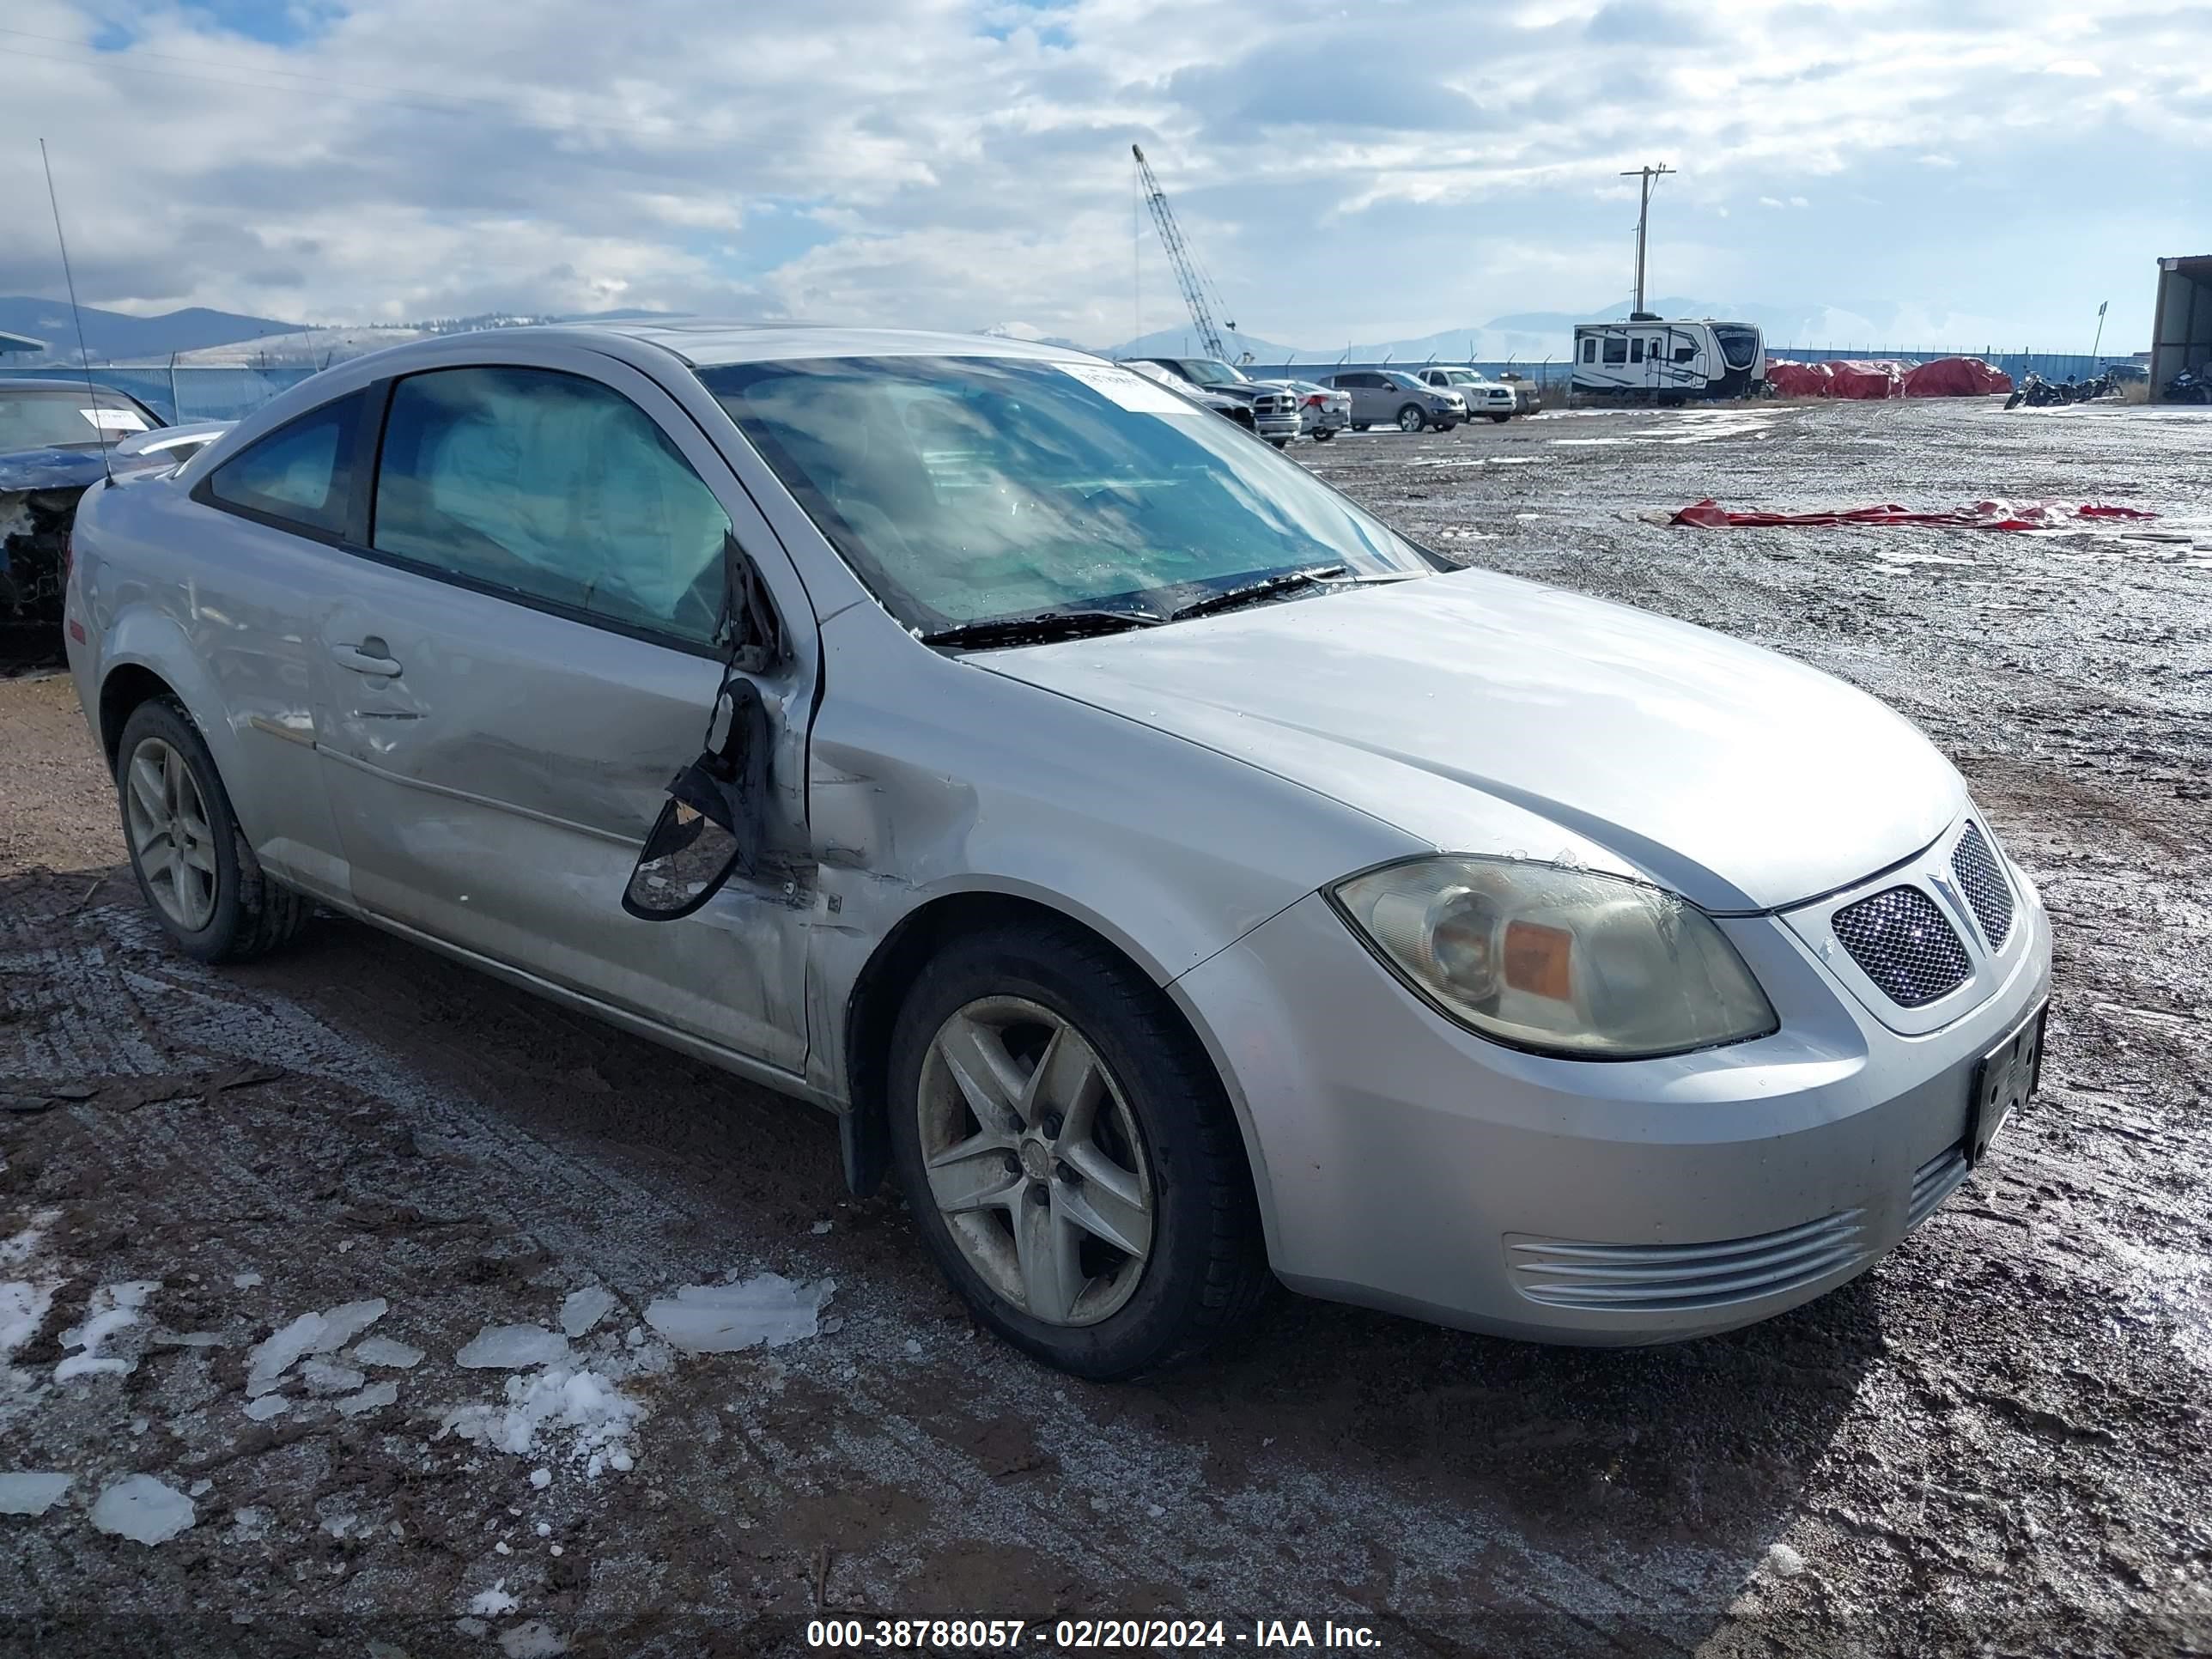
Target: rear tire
{"points": [[195, 871], [1361, 426], [1144, 1139], [1411, 418], [1323, 437], [1501, 419]]}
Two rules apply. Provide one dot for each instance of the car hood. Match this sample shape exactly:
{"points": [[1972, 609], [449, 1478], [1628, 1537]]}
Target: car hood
{"points": [[1474, 711], [51, 469]]}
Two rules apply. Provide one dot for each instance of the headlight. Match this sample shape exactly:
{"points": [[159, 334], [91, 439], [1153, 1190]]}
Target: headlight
{"points": [[1559, 960]]}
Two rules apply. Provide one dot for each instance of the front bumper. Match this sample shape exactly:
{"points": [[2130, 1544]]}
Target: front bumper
{"points": [[1277, 425], [1404, 1163]]}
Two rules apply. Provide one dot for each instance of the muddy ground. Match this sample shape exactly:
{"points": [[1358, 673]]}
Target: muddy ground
{"points": [[1997, 1441]]}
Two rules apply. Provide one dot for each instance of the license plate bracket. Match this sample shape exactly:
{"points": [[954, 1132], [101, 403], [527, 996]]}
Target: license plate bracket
{"points": [[2004, 1078]]}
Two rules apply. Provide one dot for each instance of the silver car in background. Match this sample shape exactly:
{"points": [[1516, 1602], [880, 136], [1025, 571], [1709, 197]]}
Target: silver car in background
{"points": [[1391, 397], [1175, 878]]}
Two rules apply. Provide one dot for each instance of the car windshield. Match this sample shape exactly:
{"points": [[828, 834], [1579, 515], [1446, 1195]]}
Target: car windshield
{"points": [[966, 490], [1405, 381], [60, 418], [1212, 370]]}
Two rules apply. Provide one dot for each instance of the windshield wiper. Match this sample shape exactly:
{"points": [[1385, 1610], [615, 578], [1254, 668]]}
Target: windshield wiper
{"points": [[1282, 581], [1042, 629]]}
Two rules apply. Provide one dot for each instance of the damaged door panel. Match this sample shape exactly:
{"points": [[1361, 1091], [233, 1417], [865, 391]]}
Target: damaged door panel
{"points": [[524, 657]]}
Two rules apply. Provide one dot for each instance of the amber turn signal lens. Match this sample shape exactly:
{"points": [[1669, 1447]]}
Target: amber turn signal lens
{"points": [[1537, 960]]}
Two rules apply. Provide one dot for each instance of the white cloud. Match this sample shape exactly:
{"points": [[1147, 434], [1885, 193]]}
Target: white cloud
{"points": [[1378, 170]]}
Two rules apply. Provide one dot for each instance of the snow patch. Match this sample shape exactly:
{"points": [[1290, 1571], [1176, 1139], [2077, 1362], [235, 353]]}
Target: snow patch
{"points": [[19, 1248], [585, 1308], [584, 1408], [1784, 1562], [767, 1311], [146, 1510], [493, 1602], [511, 1348], [383, 1351], [31, 1492], [23, 1309], [534, 1640], [113, 1308]]}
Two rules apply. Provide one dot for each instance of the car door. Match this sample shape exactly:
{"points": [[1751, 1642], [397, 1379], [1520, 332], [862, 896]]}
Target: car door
{"points": [[520, 663], [256, 566], [1365, 396]]}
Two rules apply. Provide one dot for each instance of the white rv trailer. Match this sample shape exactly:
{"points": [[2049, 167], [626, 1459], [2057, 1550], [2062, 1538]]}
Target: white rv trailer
{"points": [[1652, 359]]}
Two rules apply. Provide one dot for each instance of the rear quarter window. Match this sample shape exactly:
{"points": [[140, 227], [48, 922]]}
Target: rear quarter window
{"points": [[300, 476]]}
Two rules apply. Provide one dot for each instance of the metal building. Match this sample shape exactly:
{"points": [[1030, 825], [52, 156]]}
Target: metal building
{"points": [[2181, 325]]}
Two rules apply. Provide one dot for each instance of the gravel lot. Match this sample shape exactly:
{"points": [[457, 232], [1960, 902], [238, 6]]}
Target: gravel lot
{"points": [[1997, 1441]]}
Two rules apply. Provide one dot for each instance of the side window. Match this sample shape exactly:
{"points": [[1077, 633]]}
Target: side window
{"points": [[1589, 348], [553, 487], [1685, 354], [1616, 348], [301, 474], [1636, 349]]}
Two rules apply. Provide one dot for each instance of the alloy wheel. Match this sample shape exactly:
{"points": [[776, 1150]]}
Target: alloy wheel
{"points": [[167, 822], [1034, 1161]]}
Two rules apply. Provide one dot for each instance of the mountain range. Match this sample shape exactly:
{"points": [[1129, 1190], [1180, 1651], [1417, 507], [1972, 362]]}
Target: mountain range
{"points": [[1529, 337]]}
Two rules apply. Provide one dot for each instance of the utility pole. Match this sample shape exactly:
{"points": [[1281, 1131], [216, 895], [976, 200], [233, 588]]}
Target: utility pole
{"points": [[1648, 175], [2100, 332]]}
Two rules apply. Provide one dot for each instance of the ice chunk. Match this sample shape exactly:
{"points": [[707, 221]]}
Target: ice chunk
{"points": [[376, 1397], [512, 1347], [535, 1639], [113, 1308], [1784, 1562], [346, 1322], [141, 1508], [768, 1310], [541, 1478], [822, 1227], [266, 1406], [267, 1362], [31, 1492], [323, 1377], [310, 1333], [245, 1281], [493, 1602], [192, 1339], [583, 1406], [585, 1308], [200, 1488], [383, 1351]]}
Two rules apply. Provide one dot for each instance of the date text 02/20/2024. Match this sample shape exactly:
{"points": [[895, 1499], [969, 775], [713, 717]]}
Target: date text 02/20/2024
{"points": [[1079, 1635]]}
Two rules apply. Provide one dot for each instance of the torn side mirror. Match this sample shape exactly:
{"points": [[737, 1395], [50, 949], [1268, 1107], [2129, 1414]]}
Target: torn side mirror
{"points": [[713, 825]]}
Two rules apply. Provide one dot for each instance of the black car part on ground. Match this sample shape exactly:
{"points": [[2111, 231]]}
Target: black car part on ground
{"points": [[2191, 386], [34, 526]]}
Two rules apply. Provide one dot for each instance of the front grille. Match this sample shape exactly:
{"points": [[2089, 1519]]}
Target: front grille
{"points": [[1902, 942], [1655, 1277], [1975, 864], [1932, 1184]]}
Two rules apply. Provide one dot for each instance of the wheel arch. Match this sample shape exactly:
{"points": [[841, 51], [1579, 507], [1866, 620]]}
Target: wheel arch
{"points": [[145, 654], [872, 1007]]}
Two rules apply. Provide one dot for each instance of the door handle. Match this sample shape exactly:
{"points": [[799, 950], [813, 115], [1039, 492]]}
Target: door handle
{"points": [[371, 656]]}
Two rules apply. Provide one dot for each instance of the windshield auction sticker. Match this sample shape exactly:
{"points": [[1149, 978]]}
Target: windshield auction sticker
{"points": [[114, 420], [1132, 391]]}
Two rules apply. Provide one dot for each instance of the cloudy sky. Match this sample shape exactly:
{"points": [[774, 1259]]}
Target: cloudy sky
{"points": [[1953, 169]]}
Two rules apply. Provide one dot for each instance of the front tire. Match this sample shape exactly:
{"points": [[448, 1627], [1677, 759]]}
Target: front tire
{"points": [[195, 871], [1411, 418], [1501, 419], [1324, 434], [1361, 426], [1068, 1155]]}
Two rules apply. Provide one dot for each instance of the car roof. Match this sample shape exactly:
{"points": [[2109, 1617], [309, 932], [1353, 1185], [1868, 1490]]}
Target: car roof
{"points": [[704, 342]]}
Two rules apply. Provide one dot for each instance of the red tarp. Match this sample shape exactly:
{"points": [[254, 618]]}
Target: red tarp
{"points": [[1981, 515], [1866, 379], [1791, 379], [1955, 377]]}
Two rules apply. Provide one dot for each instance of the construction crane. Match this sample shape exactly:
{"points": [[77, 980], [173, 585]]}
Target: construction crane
{"points": [[1189, 277]]}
